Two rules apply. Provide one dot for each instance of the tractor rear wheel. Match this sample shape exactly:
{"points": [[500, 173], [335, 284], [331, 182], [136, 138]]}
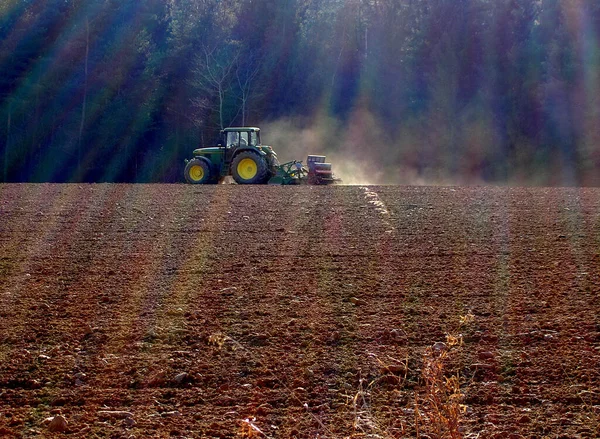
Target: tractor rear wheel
{"points": [[249, 168], [197, 172]]}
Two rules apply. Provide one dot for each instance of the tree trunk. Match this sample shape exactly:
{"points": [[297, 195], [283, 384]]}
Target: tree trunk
{"points": [[244, 111], [7, 146], [366, 42], [34, 148], [85, 90], [221, 98]]}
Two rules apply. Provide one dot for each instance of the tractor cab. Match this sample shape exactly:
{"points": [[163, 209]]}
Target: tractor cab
{"points": [[240, 137], [235, 139]]}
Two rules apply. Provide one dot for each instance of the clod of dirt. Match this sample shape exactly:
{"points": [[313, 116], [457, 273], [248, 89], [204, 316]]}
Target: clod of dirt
{"points": [[171, 413], [34, 384], [182, 378], [57, 424], [157, 380], [59, 401], [114, 414], [397, 333], [150, 336], [485, 355], [440, 346], [395, 369], [264, 409], [309, 373], [258, 340], [79, 378], [88, 330]]}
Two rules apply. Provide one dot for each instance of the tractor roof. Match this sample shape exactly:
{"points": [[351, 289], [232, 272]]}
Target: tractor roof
{"points": [[227, 130]]}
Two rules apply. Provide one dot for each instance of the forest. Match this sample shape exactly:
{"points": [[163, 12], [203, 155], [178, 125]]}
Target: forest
{"points": [[394, 91]]}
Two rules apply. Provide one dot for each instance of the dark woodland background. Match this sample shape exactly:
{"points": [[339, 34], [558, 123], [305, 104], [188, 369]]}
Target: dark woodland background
{"points": [[397, 91]]}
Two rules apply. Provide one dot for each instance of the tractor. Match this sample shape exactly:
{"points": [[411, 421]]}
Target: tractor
{"points": [[242, 156]]}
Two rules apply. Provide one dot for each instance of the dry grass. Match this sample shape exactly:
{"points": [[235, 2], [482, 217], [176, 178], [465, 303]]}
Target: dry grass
{"points": [[250, 430], [439, 412]]}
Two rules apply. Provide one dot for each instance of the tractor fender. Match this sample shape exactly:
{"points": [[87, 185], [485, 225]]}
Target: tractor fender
{"points": [[255, 150], [204, 159], [207, 161]]}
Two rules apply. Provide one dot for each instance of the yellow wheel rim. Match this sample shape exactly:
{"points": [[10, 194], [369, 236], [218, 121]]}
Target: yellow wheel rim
{"points": [[196, 173], [247, 169]]}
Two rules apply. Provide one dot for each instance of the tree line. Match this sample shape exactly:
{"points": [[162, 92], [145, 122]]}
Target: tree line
{"points": [[493, 91]]}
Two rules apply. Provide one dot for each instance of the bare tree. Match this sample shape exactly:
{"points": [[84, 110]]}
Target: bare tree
{"points": [[245, 73], [213, 76], [7, 145], [85, 90]]}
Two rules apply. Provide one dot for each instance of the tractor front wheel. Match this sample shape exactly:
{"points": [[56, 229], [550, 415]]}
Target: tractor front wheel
{"points": [[249, 168], [197, 172]]}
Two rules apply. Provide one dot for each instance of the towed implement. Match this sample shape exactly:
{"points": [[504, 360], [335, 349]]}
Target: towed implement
{"points": [[242, 156]]}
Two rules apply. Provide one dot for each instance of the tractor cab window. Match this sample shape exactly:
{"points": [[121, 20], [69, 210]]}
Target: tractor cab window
{"points": [[254, 139], [243, 139], [233, 139]]}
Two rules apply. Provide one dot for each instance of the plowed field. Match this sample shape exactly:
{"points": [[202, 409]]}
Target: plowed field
{"points": [[223, 311]]}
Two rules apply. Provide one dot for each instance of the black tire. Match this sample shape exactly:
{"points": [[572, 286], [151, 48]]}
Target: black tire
{"points": [[197, 171], [254, 174]]}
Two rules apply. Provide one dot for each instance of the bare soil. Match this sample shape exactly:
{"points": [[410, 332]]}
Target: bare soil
{"points": [[224, 311]]}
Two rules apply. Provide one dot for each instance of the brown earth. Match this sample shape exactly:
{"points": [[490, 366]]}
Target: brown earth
{"points": [[223, 311]]}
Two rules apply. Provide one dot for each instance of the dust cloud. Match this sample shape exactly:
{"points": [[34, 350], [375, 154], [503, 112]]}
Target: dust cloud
{"points": [[360, 151], [354, 159], [363, 152]]}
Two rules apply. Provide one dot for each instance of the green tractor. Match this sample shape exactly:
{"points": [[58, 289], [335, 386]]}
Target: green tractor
{"points": [[242, 155]]}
